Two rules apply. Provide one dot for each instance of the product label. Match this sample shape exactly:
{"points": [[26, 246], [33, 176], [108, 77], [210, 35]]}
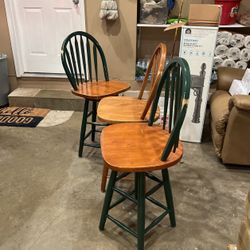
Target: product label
{"points": [[234, 11]]}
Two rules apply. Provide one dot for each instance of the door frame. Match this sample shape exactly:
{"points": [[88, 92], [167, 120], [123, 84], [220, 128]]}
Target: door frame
{"points": [[16, 46]]}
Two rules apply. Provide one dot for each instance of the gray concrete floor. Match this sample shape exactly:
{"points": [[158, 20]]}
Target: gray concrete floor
{"points": [[50, 199]]}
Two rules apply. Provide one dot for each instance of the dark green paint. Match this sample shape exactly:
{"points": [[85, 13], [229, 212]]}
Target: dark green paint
{"points": [[93, 126], [140, 210], [76, 57], [176, 78], [107, 200], [83, 127], [169, 196]]}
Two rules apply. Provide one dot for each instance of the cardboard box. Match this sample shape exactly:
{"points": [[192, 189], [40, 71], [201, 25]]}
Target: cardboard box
{"points": [[201, 15], [204, 14]]}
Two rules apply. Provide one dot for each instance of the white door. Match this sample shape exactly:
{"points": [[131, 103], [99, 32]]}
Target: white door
{"points": [[38, 28]]}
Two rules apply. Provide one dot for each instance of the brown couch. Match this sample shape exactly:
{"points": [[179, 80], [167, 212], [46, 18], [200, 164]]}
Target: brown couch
{"points": [[230, 120]]}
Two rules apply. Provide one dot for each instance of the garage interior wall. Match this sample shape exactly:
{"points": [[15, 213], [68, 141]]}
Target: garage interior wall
{"points": [[118, 40]]}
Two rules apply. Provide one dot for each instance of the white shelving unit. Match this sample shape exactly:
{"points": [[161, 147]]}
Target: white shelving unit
{"points": [[142, 25], [236, 25]]}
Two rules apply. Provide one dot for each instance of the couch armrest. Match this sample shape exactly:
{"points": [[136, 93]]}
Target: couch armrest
{"points": [[219, 110], [227, 75], [240, 101]]}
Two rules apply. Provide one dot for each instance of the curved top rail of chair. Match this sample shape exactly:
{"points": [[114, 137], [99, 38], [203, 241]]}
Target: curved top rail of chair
{"points": [[76, 56], [155, 69]]}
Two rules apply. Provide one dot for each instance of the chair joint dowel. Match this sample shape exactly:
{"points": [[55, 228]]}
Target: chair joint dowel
{"points": [[90, 113], [157, 203], [153, 177], [125, 194], [154, 189], [93, 145], [122, 226], [121, 176], [87, 135], [120, 200], [98, 124], [155, 222]]}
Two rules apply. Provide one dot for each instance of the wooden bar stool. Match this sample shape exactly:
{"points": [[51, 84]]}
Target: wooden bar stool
{"points": [[80, 55], [120, 109], [141, 148], [117, 109]]}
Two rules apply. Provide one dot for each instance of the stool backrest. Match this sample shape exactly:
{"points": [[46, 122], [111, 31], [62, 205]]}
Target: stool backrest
{"points": [[79, 56], [154, 71], [175, 82]]}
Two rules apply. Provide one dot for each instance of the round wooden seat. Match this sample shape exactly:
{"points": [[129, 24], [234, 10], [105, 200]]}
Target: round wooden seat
{"points": [[132, 109], [120, 109], [98, 90], [140, 148]]}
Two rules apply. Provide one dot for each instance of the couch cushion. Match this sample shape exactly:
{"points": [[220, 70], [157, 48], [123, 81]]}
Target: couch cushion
{"points": [[217, 140], [237, 138], [226, 75], [219, 110]]}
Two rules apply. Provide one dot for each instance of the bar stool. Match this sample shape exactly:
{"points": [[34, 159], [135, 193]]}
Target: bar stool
{"points": [[141, 148], [120, 109], [79, 56]]}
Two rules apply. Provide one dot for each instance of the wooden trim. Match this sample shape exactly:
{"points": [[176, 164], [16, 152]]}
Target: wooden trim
{"points": [[16, 50]]}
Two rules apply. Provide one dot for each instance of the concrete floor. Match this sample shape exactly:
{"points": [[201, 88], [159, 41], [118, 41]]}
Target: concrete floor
{"points": [[50, 199]]}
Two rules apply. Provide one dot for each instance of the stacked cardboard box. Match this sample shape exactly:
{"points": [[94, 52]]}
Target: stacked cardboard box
{"points": [[204, 15], [244, 235]]}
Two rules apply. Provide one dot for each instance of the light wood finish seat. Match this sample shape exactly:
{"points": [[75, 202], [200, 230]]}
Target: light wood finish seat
{"points": [[109, 109], [117, 109], [81, 57], [98, 90], [140, 149]]}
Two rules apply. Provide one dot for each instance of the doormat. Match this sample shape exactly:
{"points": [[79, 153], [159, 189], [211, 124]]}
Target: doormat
{"points": [[21, 117]]}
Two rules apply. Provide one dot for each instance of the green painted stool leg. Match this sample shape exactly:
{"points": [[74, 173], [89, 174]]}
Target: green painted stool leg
{"points": [[169, 196], [136, 186], [107, 200], [83, 127], [140, 210], [93, 127]]}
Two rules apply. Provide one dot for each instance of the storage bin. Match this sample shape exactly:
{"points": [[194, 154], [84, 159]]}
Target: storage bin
{"points": [[4, 81], [230, 9]]}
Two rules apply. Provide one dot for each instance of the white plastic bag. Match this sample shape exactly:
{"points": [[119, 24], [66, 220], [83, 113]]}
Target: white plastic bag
{"points": [[109, 10]]}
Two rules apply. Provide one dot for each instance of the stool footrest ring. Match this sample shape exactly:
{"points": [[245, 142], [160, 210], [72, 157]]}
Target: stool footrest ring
{"points": [[122, 225]]}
